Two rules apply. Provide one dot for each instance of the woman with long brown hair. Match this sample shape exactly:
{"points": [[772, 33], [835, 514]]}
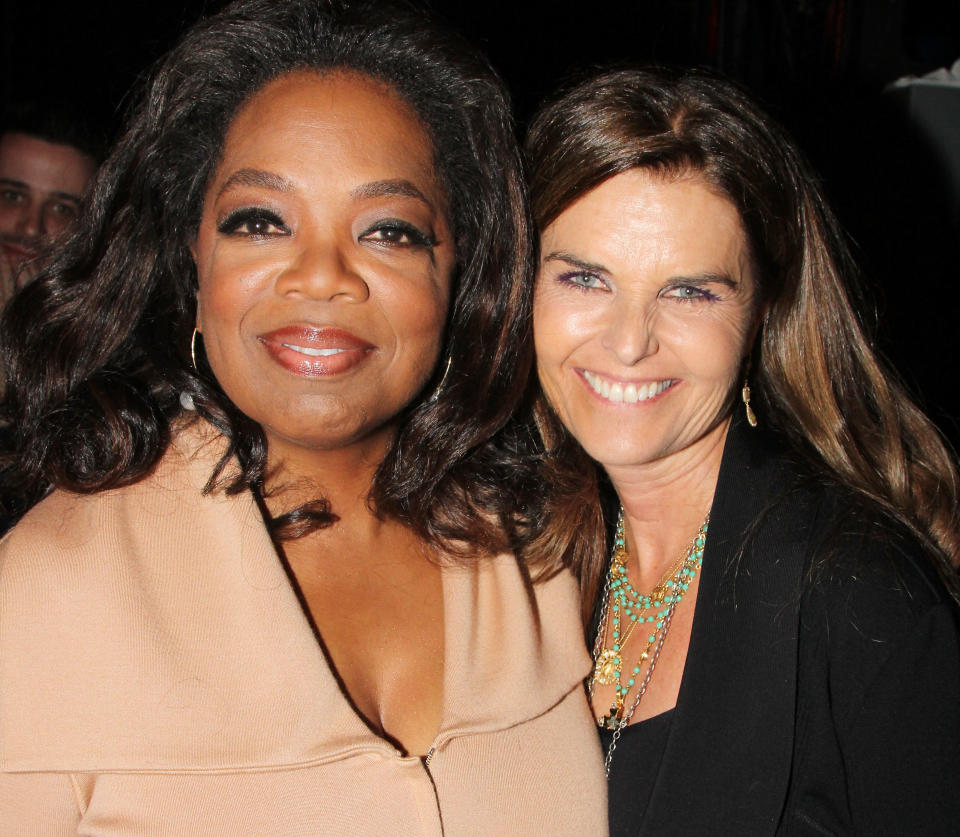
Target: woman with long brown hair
{"points": [[775, 622], [269, 493]]}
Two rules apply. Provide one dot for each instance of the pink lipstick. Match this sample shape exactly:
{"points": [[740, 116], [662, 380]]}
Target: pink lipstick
{"points": [[316, 352]]}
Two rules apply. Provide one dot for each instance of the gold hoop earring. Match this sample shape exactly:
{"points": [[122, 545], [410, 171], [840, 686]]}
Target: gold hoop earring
{"points": [[745, 395], [436, 392], [193, 350]]}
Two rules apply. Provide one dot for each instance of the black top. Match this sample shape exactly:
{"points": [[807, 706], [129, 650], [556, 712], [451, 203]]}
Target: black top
{"points": [[821, 690], [633, 769]]}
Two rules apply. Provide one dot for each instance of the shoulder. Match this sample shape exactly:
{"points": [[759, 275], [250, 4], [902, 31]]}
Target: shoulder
{"points": [[123, 608], [874, 614], [859, 579], [65, 524], [72, 557], [844, 546], [862, 571], [72, 550], [869, 568], [66, 528]]}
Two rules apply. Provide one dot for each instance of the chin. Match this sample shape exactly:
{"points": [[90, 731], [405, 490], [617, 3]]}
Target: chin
{"points": [[607, 459], [324, 432]]}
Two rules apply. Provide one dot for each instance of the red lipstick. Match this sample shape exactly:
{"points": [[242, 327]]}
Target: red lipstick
{"points": [[316, 352]]}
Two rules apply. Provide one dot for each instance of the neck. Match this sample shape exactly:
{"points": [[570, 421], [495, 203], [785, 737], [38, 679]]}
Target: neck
{"points": [[342, 476], [664, 502]]}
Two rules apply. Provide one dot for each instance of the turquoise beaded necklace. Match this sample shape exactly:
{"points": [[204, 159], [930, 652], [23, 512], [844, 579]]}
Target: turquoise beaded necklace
{"points": [[625, 610]]}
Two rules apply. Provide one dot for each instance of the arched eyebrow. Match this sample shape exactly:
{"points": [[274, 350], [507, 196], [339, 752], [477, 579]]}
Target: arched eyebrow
{"points": [[386, 188], [262, 179], [258, 178], [573, 261], [699, 279]]}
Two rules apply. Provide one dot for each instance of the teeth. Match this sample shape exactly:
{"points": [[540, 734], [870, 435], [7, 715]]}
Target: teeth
{"points": [[313, 352], [625, 393]]}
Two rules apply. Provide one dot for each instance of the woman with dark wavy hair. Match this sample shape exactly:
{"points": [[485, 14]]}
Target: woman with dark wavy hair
{"points": [[776, 642], [269, 497]]}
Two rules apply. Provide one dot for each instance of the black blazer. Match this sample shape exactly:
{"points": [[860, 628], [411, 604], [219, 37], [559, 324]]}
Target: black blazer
{"points": [[812, 702]]}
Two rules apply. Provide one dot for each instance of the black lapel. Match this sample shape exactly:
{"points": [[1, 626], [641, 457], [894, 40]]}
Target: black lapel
{"points": [[726, 764]]}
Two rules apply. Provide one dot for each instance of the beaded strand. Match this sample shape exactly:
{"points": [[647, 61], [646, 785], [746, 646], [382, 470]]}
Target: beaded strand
{"points": [[627, 609]]}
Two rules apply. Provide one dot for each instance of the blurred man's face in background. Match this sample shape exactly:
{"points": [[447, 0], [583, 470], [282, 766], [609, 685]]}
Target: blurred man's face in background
{"points": [[40, 188]]}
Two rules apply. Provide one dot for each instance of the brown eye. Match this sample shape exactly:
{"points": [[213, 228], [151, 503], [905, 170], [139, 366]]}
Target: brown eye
{"points": [[12, 196], [64, 210], [253, 223], [397, 233]]}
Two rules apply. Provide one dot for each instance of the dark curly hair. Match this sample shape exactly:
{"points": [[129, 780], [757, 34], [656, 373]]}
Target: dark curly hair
{"points": [[97, 347]]}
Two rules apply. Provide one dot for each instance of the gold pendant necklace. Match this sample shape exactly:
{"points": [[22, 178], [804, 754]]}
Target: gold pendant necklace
{"points": [[625, 610]]}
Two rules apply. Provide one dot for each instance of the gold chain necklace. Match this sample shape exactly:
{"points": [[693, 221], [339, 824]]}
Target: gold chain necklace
{"points": [[623, 611]]}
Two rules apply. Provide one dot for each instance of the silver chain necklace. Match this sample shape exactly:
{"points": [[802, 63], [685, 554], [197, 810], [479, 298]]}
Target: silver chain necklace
{"points": [[608, 760], [697, 544]]}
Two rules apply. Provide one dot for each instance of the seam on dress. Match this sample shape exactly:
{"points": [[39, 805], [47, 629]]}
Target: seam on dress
{"points": [[77, 793]]}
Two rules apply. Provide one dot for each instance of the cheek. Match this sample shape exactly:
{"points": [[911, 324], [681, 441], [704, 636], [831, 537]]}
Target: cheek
{"points": [[712, 350], [413, 314], [229, 284], [414, 303], [555, 338], [9, 215], [555, 327], [219, 313], [54, 222]]}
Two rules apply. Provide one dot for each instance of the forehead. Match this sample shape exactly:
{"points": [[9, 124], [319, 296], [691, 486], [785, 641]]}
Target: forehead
{"points": [[337, 120], [44, 166], [643, 219]]}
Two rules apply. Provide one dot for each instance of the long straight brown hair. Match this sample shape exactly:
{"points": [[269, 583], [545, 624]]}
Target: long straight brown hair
{"points": [[815, 374]]}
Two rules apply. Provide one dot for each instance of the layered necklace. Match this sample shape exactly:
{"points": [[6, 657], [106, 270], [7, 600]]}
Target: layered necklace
{"points": [[624, 611]]}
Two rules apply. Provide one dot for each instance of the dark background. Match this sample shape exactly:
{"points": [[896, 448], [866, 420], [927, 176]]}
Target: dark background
{"points": [[820, 66]]}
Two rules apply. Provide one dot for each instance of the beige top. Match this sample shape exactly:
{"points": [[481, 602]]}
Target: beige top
{"points": [[158, 676]]}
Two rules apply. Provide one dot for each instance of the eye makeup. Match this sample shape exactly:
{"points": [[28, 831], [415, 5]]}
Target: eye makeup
{"points": [[252, 222]]}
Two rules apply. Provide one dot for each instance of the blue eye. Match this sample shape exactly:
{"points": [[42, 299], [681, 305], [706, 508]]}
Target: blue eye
{"points": [[394, 232], [253, 222], [689, 293], [582, 280]]}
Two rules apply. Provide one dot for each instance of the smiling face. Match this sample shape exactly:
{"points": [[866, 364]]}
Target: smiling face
{"points": [[324, 259], [643, 314], [41, 184]]}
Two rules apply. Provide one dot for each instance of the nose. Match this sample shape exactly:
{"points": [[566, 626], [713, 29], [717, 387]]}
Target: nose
{"points": [[320, 270], [29, 221], [630, 333]]}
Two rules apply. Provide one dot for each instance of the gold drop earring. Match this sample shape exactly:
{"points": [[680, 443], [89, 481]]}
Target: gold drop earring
{"points": [[745, 395]]}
